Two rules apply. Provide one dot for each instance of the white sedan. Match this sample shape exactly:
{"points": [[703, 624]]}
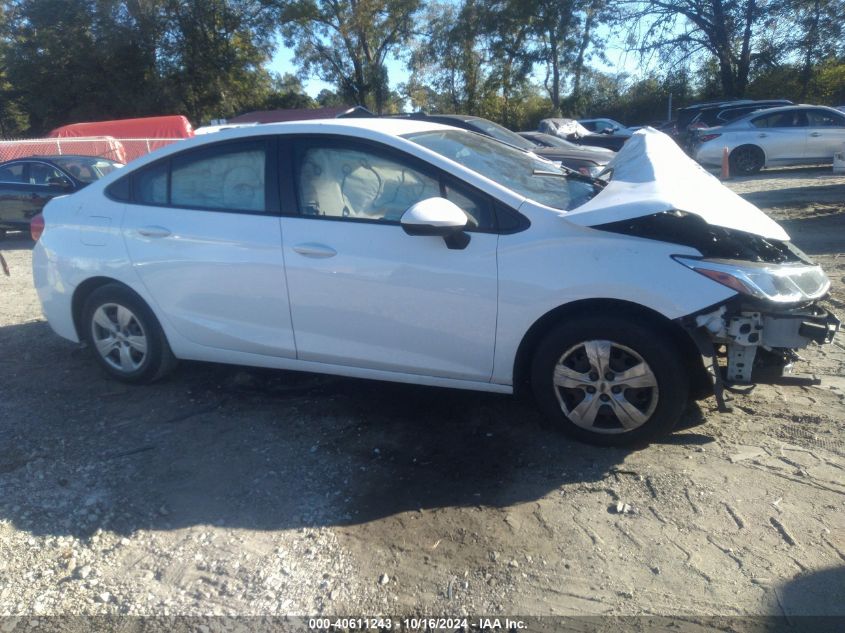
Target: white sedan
{"points": [[415, 252], [785, 136]]}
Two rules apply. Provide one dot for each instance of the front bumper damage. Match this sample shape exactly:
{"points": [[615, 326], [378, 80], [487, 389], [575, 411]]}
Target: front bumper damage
{"points": [[757, 342]]}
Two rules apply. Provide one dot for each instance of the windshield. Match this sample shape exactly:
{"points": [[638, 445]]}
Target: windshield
{"points": [[503, 134], [521, 172], [556, 141], [86, 169]]}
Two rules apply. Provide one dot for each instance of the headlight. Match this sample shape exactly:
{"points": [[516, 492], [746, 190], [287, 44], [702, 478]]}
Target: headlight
{"points": [[782, 283]]}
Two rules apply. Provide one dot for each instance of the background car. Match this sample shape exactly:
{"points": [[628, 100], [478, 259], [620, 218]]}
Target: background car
{"points": [[790, 135], [581, 159], [588, 160], [711, 113], [571, 130], [27, 184], [605, 126]]}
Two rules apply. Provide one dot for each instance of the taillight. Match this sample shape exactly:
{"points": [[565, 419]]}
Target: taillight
{"points": [[36, 226], [708, 137]]}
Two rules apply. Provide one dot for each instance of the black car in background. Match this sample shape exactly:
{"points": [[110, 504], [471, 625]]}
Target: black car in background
{"points": [[27, 184], [580, 159], [589, 161]]}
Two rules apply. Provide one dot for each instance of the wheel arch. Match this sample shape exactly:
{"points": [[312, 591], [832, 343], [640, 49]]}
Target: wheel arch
{"points": [[700, 382], [83, 291]]}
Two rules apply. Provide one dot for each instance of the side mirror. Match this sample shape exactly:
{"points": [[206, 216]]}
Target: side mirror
{"points": [[437, 216], [434, 216]]}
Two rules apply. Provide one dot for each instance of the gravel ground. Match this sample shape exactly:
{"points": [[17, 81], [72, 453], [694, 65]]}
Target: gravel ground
{"points": [[234, 491]]}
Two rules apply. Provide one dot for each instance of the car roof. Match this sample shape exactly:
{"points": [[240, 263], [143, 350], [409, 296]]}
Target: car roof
{"points": [[53, 157], [795, 106]]}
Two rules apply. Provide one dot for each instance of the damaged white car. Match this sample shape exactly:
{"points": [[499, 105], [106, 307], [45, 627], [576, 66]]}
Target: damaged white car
{"points": [[409, 251]]}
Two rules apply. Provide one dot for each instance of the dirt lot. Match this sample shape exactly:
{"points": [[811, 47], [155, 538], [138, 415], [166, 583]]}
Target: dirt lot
{"points": [[227, 490]]}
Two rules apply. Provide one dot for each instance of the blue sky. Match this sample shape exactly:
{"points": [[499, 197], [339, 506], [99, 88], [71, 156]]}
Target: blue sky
{"points": [[282, 62]]}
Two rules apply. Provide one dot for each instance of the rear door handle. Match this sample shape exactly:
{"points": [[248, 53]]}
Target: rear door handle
{"points": [[815, 133], [154, 231], [762, 135], [320, 251]]}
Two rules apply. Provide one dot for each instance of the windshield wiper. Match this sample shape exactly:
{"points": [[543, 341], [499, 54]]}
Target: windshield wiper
{"points": [[570, 174]]}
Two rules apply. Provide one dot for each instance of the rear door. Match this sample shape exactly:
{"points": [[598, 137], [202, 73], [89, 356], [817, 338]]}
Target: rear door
{"points": [[14, 196], [202, 230], [782, 135], [825, 134]]}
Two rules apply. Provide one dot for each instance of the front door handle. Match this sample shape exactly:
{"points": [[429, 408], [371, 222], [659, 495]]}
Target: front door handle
{"points": [[815, 133], [320, 251], [154, 231], [763, 135]]}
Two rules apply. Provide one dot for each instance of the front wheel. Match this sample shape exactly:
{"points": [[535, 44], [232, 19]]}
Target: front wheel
{"points": [[610, 381], [126, 338]]}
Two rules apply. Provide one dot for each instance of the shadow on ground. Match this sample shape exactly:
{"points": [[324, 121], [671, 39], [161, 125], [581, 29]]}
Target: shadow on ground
{"points": [[258, 449]]}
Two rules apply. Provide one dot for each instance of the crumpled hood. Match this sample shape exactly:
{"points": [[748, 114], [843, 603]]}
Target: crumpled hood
{"points": [[652, 174]]}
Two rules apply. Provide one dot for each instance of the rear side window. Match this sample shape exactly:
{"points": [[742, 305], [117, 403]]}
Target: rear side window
{"points": [[232, 179], [12, 173], [225, 177], [793, 118], [43, 174], [151, 185]]}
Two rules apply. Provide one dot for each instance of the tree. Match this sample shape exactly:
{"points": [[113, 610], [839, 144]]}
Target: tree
{"points": [[347, 42], [680, 29]]}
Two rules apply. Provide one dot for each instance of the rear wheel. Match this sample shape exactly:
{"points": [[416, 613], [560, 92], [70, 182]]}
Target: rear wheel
{"points": [[609, 381], [747, 160], [125, 336]]}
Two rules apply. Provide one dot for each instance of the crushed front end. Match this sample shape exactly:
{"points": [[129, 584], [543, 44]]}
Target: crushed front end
{"points": [[777, 309]]}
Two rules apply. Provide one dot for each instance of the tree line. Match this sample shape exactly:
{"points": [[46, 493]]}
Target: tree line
{"points": [[514, 61]]}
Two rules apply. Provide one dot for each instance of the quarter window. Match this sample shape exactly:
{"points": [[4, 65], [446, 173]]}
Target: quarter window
{"points": [[12, 173]]}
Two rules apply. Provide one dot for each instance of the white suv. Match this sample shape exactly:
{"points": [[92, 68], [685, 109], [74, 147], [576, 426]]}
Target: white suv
{"points": [[415, 252]]}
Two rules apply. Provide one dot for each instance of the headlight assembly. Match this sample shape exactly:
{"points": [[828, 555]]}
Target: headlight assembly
{"points": [[781, 283]]}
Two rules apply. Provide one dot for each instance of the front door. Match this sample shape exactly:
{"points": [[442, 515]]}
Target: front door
{"points": [[825, 134], [364, 293]]}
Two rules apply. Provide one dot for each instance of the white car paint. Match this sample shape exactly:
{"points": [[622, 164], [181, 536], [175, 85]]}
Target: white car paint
{"points": [[652, 174], [366, 299], [781, 146]]}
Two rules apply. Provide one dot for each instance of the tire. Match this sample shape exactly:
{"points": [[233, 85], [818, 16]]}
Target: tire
{"points": [[125, 336], [603, 410], [747, 160]]}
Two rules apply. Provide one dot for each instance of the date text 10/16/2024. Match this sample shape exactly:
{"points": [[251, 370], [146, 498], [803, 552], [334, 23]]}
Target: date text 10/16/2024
{"points": [[416, 624]]}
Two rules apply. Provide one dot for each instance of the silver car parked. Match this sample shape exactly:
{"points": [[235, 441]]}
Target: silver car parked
{"points": [[790, 135]]}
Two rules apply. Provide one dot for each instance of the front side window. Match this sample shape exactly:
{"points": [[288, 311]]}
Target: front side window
{"points": [[87, 169], [521, 172], [359, 184], [822, 118]]}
